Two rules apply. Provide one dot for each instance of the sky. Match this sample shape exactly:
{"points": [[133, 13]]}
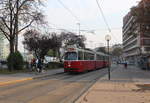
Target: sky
{"points": [[89, 17]]}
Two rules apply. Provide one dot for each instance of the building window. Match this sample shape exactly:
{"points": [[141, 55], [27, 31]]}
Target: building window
{"points": [[147, 48], [146, 41]]}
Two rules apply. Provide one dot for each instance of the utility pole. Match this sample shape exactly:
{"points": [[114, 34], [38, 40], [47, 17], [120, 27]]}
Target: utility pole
{"points": [[108, 38]]}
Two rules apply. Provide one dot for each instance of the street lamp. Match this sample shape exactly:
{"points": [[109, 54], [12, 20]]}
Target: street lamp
{"points": [[108, 38]]}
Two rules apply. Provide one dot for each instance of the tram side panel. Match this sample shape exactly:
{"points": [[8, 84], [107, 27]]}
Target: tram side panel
{"points": [[73, 66], [89, 65], [99, 61], [99, 64], [89, 61]]}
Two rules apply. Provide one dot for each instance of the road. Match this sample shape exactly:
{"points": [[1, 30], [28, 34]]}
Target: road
{"points": [[59, 88]]}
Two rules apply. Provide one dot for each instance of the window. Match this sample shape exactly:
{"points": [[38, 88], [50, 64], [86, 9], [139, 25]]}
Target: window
{"points": [[88, 56], [99, 57], [91, 56], [71, 56], [80, 55], [146, 41]]}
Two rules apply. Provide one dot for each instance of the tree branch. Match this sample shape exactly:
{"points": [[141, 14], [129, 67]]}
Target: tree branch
{"points": [[5, 33], [22, 4], [3, 20], [26, 26]]}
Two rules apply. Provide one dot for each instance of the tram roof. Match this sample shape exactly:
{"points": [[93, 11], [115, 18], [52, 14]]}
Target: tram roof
{"points": [[88, 50], [92, 51]]}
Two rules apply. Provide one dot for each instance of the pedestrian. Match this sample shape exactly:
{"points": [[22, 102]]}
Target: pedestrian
{"points": [[125, 65], [40, 65], [33, 63]]}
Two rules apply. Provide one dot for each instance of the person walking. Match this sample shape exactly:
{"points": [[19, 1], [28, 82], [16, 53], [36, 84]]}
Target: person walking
{"points": [[40, 65], [125, 64]]}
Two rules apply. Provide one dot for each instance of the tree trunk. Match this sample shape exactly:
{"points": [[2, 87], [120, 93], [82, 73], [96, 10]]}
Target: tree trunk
{"points": [[11, 51], [58, 52], [16, 43], [16, 24]]}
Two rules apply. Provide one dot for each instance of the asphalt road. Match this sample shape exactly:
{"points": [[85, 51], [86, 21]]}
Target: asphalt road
{"points": [[59, 88]]}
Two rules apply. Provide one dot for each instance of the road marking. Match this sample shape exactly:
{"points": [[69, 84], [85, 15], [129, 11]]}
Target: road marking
{"points": [[14, 81]]}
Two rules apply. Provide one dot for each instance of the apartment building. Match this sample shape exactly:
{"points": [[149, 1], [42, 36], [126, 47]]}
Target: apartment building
{"points": [[136, 34], [1, 47], [4, 48]]}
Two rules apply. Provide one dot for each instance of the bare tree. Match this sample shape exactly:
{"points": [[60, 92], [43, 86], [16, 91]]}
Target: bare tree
{"points": [[16, 16], [40, 44], [70, 38]]}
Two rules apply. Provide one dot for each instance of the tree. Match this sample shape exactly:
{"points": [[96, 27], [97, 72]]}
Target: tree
{"points": [[70, 38], [17, 62], [141, 12], [101, 49], [57, 45], [16, 16], [117, 52], [40, 44]]}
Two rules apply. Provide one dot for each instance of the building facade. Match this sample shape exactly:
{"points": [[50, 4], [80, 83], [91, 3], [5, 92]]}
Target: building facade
{"points": [[1, 47], [4, 48], [136, 33]]}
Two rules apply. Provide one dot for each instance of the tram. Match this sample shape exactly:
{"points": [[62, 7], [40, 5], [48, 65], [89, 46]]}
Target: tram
{"points": [[81, 60]]}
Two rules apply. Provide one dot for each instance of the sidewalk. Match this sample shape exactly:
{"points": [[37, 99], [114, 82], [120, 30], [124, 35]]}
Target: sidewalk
{"points": [[20, 77], [130, 85]]}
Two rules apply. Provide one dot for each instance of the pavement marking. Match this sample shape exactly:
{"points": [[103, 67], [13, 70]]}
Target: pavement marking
{"points": [[14, 81], [26, 79]]}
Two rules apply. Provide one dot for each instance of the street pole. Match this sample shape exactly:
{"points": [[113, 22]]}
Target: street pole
{"points": [[108, 60], [108, 38]]}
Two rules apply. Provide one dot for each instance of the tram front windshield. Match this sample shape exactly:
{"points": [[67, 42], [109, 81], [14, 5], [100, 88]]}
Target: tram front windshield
{"points": [[71, 56]]}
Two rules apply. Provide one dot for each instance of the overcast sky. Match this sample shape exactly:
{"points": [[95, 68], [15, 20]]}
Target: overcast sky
{"points": [[90, 18]]}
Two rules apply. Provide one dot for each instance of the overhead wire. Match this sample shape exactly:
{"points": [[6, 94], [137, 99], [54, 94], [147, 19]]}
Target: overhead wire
{"points": [[68, 10], [76, 17], [101, 11], [104, 18], [68, 30]]}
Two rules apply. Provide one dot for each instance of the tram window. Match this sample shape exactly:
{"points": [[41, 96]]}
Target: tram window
{"points": [[80, 55], [106, 58], [99, 57], [91, 56], [88, 56], [71, 56]]}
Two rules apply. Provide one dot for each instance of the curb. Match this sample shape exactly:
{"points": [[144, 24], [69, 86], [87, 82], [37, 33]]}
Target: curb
{"points": [[25, 79], [85, 92], [22, 80]]}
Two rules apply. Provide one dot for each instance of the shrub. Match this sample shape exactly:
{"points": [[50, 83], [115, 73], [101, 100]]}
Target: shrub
{"points": [[15, 60]]}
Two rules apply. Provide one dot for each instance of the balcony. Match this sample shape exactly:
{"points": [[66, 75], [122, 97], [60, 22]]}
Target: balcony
{"points": [[132, 47], [130, 41]]}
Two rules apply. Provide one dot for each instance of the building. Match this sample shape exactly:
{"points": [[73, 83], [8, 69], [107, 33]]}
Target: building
{"points": [[1, 47], [4, 48], [136, 32]]}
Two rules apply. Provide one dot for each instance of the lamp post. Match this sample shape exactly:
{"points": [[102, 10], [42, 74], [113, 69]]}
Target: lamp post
{"points": [[108, 38]]}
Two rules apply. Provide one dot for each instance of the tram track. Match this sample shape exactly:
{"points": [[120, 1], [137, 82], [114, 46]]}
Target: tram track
{"points": [[52, 84]]}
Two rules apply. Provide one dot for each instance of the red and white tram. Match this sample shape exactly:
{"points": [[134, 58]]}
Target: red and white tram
{"points": [[80, 60]]}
